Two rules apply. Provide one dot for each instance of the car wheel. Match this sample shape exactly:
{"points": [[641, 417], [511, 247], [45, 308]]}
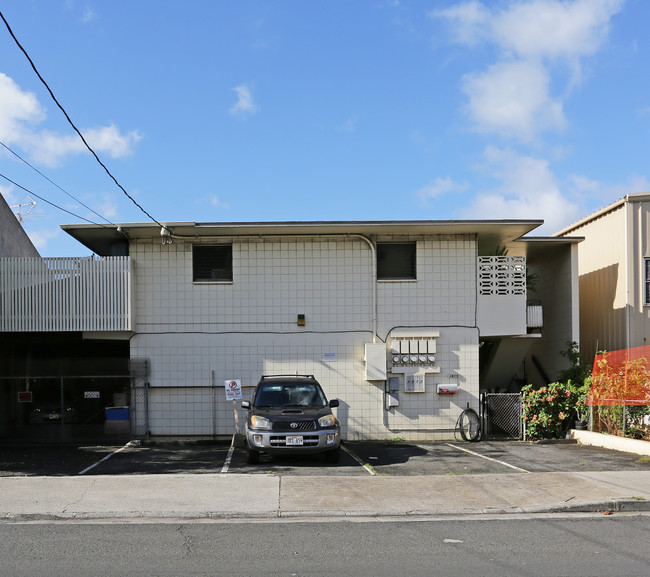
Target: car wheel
{"points": [[252, 457], [333, 455]]}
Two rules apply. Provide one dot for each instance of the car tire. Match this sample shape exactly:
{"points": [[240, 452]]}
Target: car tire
{"points": [[333, 455], [252, 457]]}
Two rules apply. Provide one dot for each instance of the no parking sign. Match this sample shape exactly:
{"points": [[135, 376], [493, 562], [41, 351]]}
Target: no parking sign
{"points": [[233, 390]]}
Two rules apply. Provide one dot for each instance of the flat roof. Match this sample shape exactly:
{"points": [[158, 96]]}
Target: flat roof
{"points": [[490, 233]]}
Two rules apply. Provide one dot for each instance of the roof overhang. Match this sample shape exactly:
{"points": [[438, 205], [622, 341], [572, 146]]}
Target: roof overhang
{"points": [[535, 247], [490, 233]]}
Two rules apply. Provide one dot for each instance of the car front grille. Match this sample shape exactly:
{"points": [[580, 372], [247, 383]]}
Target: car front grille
{"points": [[281, 441], [291, 426]]}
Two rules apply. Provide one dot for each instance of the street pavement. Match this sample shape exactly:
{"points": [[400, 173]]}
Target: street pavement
{"points": [[241, 496]]}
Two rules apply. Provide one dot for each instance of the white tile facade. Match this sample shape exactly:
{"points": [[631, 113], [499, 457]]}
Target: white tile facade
{"points": [[197, 335]]}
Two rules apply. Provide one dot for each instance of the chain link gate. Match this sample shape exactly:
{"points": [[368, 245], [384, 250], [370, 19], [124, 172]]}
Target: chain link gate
{"points": [[502, 416]]}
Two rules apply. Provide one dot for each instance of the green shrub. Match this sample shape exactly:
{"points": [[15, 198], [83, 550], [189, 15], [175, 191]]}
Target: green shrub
{"points": [[549, 412]]}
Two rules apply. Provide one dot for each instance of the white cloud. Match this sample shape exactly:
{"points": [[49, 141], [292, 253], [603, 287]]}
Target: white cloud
{"points": [[441, 187], [534, 28], [553, 28], [20, 115], [245, 103], [40, 238], [528, 190], [512, 97], [108, 207], [216, 202], [350, 125], [469, 21], [18, 107], [513, 100], [89, 15]]}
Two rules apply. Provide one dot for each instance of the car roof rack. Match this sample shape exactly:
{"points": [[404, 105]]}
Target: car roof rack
{"points": [[294, 375]]}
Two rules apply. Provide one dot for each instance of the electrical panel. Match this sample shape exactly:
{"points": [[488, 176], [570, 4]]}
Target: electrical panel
{"points": [[375, 358]]}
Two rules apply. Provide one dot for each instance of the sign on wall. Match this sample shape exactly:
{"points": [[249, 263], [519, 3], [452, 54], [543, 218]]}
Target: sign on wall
{"points": [[233, 390]]}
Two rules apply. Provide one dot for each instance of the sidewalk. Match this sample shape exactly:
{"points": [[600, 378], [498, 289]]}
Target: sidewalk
{"points": [[268, 496]]}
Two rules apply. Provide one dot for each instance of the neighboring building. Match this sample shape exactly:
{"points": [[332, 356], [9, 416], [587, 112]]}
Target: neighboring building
{"points": [[13, 239], [382, 313], [614, 275]]}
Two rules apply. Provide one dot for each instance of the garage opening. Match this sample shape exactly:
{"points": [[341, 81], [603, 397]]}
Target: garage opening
{"points": [[62, 388]]}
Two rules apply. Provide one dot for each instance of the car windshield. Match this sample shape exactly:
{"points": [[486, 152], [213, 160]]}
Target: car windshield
{"points": [[289, 394]]}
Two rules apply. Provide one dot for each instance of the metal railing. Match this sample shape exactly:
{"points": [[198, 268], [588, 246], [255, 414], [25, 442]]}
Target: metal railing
{"points": [[65, 294]]}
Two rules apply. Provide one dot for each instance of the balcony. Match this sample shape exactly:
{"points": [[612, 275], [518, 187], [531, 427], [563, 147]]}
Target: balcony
{"points": [[501, 300], [66, 294]]}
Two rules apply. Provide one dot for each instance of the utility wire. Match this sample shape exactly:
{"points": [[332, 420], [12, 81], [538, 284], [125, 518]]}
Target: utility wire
{"points": [[48, 202], [55, 184], [11, 32]]}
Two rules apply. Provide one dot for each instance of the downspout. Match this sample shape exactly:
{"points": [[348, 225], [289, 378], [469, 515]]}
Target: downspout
{"points": [[373, 280]]}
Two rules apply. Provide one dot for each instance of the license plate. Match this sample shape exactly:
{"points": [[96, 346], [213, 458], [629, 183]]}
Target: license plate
{"points": [[54, 417], [294, 441]]}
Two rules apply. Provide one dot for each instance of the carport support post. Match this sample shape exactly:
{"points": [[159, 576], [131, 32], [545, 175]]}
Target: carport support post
{"points": [[62, 406]]}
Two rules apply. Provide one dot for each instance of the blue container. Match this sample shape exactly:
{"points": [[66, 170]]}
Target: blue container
{"points": [[117, 413]]}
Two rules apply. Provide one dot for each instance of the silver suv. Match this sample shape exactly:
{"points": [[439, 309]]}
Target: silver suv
{"points": [[290, 414]]}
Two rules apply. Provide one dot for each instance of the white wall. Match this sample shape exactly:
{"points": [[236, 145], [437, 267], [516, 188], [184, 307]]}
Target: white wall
{"points": [[247, 328]]}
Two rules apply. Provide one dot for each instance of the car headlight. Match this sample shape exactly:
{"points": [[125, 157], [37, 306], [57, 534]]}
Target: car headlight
{"points": [[327, 421], [258, 422]]}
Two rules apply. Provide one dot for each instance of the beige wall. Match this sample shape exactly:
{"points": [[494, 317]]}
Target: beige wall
{"points": [[602, 269], [612, 311]]}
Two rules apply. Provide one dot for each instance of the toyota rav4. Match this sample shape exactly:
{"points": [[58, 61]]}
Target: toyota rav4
{"points": [[290, 414]]}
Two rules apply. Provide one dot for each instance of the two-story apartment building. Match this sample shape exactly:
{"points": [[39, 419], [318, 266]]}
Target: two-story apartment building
{"points": [[387, 315]]}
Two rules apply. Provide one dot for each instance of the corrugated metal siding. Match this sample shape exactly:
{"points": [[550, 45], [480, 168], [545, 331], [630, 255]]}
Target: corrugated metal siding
{"points": [[65, 294]]}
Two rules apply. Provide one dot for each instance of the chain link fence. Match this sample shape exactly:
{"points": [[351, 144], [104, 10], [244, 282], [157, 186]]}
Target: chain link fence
{"points": [[502, 416]]}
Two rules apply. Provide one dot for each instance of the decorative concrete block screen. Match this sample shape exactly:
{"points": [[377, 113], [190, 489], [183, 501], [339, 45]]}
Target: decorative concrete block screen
{"points": [[502, 275]]}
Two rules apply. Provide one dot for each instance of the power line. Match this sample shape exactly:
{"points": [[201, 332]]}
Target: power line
{"points": [[55, 184], [48, 202], [11, 32]]}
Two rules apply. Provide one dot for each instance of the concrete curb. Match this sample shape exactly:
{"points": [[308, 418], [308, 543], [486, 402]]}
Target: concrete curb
{"points": [[611, 442], [622, 506]]}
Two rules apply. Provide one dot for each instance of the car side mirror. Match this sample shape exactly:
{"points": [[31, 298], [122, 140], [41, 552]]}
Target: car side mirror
{"points": [[245, 404], [334, 403]]}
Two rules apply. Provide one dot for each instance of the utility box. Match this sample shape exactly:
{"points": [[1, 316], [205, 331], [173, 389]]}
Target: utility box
{"points": [[449, 389], [375, 358]]}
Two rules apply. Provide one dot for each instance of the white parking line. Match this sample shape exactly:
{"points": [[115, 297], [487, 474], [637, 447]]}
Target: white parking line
{"points": [[487, 458], [358, 460], [129, 444], [226, 464]]}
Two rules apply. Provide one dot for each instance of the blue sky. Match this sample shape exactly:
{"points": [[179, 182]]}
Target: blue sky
{"points": [[323, 110]]}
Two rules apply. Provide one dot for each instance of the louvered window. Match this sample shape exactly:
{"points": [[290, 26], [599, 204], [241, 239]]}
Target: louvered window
{"points": [[212, 263], [396, 261]]}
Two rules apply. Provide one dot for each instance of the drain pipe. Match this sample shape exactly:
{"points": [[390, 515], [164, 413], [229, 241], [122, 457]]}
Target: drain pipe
{"points": [[373, 254]]}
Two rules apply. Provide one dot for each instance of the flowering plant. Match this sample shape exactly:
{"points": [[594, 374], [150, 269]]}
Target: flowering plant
{"points": [[548, 411]]}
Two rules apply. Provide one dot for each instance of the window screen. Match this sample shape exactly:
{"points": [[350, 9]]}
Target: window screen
{"points": [[212, 263], [396, 260]]}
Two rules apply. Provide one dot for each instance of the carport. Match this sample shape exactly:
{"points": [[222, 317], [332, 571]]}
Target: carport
{"points": [[61, 387]]}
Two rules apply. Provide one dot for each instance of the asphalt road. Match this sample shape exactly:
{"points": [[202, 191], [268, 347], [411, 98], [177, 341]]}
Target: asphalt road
{"points": [[359, 458], [541, 546]]}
